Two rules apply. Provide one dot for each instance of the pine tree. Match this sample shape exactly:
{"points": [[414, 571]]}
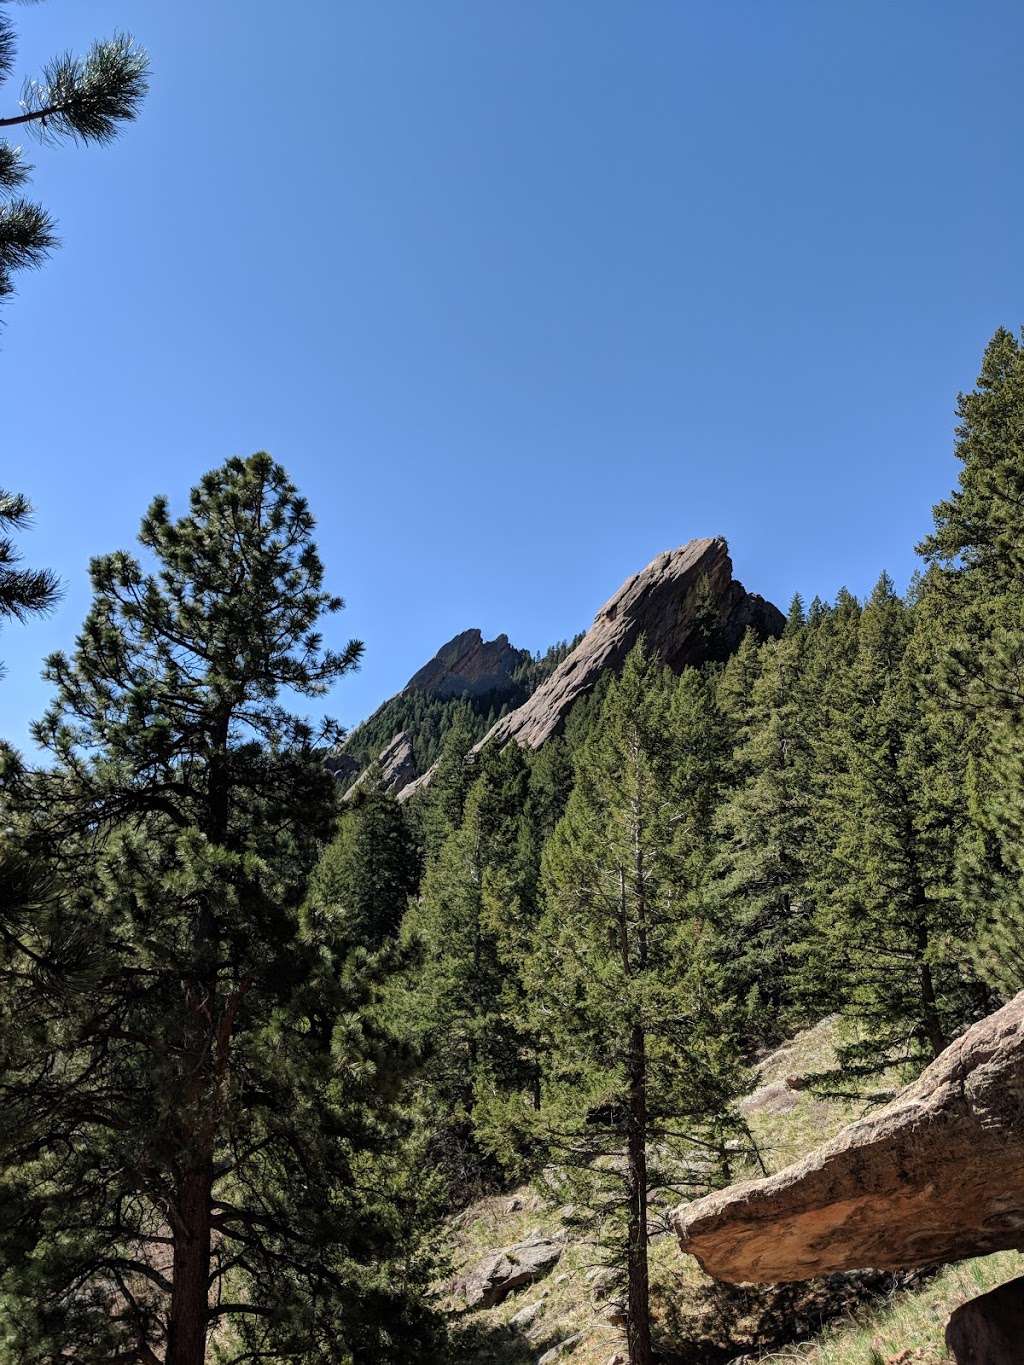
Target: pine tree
{"points": [[438, 811], [464, 1002], [23, 592], [886, 905], [640, 1055], [763, 901], [977, 554], [80, 100], [198, 1085], [371, 868]]}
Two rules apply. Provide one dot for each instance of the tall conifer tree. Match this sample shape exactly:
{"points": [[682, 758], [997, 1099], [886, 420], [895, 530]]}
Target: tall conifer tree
{"points": [[889, 918], [640, 1055], [195, 1085], [977, 550], [766, 828]]}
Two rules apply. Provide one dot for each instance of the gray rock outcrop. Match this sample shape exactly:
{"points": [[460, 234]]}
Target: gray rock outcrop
{"points": [[469, 666], [491, 1280], [936, 1175], [685, 603], [395, 767]]}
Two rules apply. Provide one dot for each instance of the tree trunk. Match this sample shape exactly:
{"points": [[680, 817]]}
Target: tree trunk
{"points": [[638, 1314], [937, 1040], [186, 1339]]}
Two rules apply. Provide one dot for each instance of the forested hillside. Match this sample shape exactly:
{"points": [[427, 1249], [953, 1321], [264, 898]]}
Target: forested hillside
{"points": [[427, 715], [261, 1044]]}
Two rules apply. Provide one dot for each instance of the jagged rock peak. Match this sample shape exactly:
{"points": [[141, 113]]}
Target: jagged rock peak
{"points": [[469, 665], [685, 603], [669, 603]]}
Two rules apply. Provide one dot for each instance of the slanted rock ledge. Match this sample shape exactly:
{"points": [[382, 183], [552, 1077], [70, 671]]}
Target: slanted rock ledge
{"points": [[687, 606], [937, 1175]]}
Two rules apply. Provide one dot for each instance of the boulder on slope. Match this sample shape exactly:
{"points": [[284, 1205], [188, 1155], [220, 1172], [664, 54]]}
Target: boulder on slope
{"points": [[491, 1280], [936, 1175]]}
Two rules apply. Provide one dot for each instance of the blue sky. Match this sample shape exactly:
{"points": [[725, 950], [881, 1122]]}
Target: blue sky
{"points": [[521, 294]]}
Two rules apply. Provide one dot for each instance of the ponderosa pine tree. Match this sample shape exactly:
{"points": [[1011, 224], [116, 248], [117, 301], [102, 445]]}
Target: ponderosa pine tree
{"points": [[977, 550], [80, 100], [640, 1055], [194, 1087]]}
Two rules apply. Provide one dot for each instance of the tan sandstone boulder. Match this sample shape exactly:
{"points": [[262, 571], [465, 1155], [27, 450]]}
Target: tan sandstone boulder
{"points": [[936, 1175]]}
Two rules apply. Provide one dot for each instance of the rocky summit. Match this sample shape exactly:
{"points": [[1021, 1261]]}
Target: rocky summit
{"points": [[469, 665], [687, 606]]}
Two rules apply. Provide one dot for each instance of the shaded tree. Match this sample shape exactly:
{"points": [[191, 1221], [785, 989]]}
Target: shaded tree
{"points": [[199, 1085], [641, 1063]]}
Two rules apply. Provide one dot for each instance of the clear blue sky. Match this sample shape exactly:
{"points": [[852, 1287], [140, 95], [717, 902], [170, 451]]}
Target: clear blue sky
{"points": [[520, 293]]}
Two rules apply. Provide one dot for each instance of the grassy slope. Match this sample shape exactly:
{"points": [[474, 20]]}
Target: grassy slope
{"points": [[901, 1327]]}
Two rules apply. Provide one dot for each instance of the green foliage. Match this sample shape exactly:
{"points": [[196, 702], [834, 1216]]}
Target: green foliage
{"points": [[23, 592], [201, 1092], [81, 99], [465, 1001], [888, 909], [765, 825], [370, 869], [977, 554], [641, 1062]]}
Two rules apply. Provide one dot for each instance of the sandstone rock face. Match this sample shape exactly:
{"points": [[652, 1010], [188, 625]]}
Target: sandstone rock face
{"points": [[342, 767], [663, 603], [688, 607], [936, 1175], [497, 1275], [396, 766], [990, 1329], [468, 665]]}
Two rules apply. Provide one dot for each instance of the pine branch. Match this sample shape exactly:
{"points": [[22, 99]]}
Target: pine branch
{"points": [[86, 100]]}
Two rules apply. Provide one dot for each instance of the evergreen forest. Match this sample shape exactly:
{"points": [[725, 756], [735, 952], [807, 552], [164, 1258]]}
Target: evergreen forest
{"points": [[259, 1043], [270, 1041]]}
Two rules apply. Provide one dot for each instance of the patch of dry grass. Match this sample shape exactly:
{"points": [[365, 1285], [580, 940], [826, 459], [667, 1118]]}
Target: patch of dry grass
{"points": [[694, 1316], [909, 1327]]}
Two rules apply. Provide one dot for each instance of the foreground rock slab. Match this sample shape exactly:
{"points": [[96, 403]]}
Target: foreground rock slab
{"points": [[937, 1175], [990, 1329]]}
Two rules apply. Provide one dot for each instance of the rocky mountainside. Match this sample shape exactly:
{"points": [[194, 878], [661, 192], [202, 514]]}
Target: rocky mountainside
{"points": [[469, 666], [487, 675], [685, 603]]}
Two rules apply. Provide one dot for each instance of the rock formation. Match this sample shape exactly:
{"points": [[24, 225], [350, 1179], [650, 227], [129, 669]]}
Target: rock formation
{"points": [[990, 1329], [396, 766], [491, 1280], [936, 1175], [686, 604], [469, 666]]}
